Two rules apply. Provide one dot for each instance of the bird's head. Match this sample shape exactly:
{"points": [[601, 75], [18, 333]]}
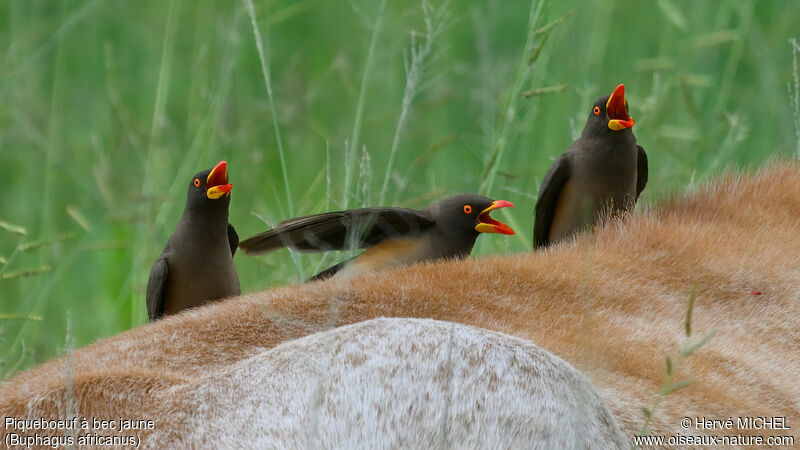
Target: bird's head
{"points": [[468, 215], [609, 114], [210, 187]]}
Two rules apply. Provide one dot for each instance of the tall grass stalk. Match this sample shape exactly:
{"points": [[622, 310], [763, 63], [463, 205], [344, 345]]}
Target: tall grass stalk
{"points": [[328, 190], [263, 57], [794, 91], [31, 317], [12, 228], [745, 15], [56, 38], [361, 15], [365, 173], [192, 157], [54, 138], [362, 98], [31, 303], [671, 382], [162, 88], [23, 354], [144, 230], [197, 154], [69, 379], [166, 86], [125, 119], [524, 69], [435, 21], [7, 261], [738, 128]]}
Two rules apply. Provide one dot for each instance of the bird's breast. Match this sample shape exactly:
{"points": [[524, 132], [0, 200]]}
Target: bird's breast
{"points": [[200, 270], [606, 174], [602, 182]]}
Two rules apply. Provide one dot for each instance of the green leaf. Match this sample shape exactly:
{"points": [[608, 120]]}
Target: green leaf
{"points": [[683, 133], [669, 366], [425, 156], [32, 245], [16, 229], [692, 297], [32, 318], [673, 14], [693, 348], [666, 390], [27, 272], [78, 217], [697, 79], [545, 90], [537, 50], [654, 64], [714, 39], [549, 27]]}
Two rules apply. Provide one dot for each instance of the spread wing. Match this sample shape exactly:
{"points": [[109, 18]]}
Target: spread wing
{"points": [[233, 239], [548, 199], [342, 230], [641, 170], [156, 287]]}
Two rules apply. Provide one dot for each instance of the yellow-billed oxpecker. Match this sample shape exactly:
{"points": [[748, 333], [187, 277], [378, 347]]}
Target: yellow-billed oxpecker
{"points": [[196, 265], [601, 175], [391, 236]]}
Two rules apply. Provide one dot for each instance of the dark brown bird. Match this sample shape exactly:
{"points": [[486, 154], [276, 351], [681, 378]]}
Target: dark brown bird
{"points": [[392, 236], [602, 174], [196, 265]]}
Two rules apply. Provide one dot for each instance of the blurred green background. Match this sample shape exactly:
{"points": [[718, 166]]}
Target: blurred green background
{"points": [[107, 108]]}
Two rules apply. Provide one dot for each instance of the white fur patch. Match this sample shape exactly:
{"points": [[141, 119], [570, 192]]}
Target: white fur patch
{"points": [[391, 383]]}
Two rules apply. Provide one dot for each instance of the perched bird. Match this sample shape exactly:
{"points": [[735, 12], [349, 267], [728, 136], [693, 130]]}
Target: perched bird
{"points": [[392, 236], [196, 265], [602, 174]]}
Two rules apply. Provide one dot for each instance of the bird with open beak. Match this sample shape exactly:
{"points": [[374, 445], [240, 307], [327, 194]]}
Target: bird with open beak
{"points": [[391, 236], [601, 175], [196, 265]]}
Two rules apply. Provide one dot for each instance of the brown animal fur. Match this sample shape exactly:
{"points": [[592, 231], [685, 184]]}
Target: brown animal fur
{"points": [[612, 305]]}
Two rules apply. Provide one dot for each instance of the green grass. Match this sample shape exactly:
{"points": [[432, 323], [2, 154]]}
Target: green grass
{"points": [[108, 107], [672, 379]]}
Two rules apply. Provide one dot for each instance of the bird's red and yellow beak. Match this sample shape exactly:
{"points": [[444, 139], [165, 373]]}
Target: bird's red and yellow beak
{"points": [[617, 110], [217, 183], [488, 225]]}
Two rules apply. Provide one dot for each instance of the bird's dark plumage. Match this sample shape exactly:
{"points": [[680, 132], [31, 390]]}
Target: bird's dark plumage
{"points": [[155, 288], [196, 265], [548, 196], [392, 236], [341, 230], [233, 239], [604, 172], [641, 170]]}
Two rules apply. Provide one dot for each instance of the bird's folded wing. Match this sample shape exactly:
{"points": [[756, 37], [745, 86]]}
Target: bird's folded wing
{"points": [[641, 170], [155, 289], [548, 199], [233, 239], [342, 230]]}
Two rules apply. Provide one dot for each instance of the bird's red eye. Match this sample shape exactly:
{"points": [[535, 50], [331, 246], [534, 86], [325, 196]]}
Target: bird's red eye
{"points": [[467, 209], [596, 110], [197, 182]]}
